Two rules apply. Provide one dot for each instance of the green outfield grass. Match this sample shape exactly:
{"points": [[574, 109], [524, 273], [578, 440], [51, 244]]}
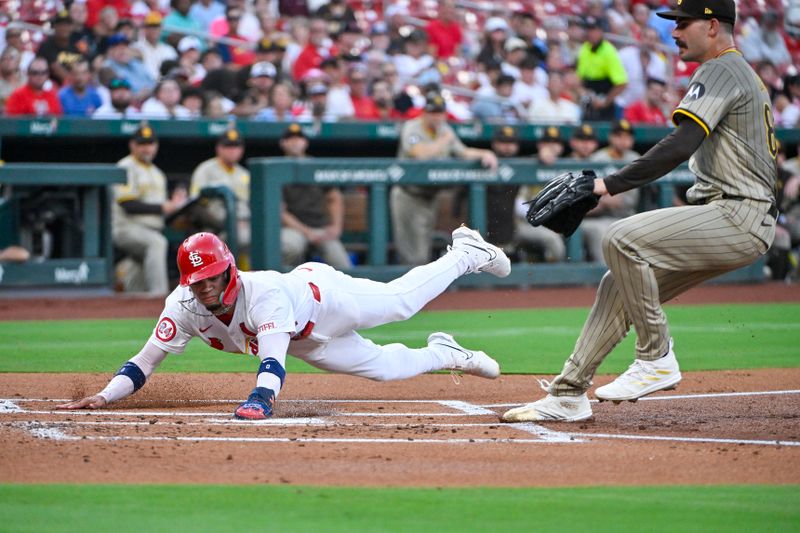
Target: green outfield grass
{"points": [[120, 508], [707, 337]]}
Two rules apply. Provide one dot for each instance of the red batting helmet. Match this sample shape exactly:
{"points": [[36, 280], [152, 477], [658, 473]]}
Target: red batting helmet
{"points": [[204, 255]]}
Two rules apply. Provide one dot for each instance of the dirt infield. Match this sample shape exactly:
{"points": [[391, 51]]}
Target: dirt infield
{"points": [[427, 431], [718, 427]]}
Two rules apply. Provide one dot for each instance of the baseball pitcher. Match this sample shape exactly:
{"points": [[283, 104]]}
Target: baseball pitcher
{"points": [[726, 130]]}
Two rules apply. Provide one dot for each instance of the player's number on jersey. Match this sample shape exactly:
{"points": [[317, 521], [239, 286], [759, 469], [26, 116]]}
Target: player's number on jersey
{"points": [[769, 123]]}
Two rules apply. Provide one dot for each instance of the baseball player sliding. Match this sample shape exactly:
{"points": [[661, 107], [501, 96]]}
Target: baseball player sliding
{"points": [[725, 124], [312, 312]]}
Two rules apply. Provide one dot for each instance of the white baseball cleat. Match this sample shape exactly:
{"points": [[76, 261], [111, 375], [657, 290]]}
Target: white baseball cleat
{"points": [[468, 361], [552, 408], [488, 257], [643, 378]]}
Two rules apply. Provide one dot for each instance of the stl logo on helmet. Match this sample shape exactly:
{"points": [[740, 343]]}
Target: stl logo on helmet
{"points": [[195, 259]]}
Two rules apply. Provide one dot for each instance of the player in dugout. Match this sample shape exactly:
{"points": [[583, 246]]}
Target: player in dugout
{"points": [[312, 312]]}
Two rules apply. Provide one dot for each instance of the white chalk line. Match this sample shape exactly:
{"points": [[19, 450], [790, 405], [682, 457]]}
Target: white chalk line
{"points": [[448, 403], [686, 396], [57, 434]]}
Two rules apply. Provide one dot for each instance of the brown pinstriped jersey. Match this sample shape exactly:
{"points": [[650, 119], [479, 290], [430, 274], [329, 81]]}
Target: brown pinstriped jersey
{"points": [[737, 158]]}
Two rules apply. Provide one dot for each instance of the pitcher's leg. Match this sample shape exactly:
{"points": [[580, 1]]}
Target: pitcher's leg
{"points": [[688, 240], [605, 327]]}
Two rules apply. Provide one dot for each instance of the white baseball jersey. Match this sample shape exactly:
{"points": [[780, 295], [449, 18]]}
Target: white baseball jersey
{"points": [[268, 302]]}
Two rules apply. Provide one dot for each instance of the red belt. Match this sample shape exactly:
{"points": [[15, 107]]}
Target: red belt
{"points": [[310, 325]]}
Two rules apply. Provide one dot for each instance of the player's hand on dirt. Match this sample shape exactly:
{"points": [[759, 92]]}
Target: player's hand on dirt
{"points": [[90, 402]]}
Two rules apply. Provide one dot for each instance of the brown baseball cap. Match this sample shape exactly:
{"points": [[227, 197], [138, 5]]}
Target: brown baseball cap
{"points": [[294, 130], [621, 126], [145, 134], [231, 137], [585, 133], [724, 10], [506, 134], [551, 134]]}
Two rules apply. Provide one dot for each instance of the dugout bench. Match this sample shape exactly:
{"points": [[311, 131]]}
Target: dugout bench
{"points": [[62, 214]]}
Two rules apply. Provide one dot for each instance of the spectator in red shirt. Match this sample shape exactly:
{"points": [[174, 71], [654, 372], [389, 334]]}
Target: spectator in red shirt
{"points": [[317, 49], [648, 110], [37, 97], [444, 33], [363, 105]]}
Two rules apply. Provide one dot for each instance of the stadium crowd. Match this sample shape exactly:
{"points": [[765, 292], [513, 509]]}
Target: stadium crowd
{"points": [[300, 60], [294, 61]]}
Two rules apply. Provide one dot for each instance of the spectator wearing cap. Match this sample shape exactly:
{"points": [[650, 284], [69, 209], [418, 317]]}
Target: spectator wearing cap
{"points": [[319, 47], [140, 205], [224, 170], [495, 32], [14, 39], [497, 107], [283, 107], [152, 51], [235, 50], [180, 22], [379, 38], [415, 58], [516, 50], [554, 108], [37, 97], [165, 102], [763, 41], [205, 12], [413, 207], [316, 103], [190, 54], [546, 243], [270, 50], [601, 72], [11, 76], [125, 65], [312, 217], [641, 62], [119, 105], [649, 110], [82, 36], [444, 32], [256, 98], [611, 208], [79, 98], [58, 50], [500, 224]]}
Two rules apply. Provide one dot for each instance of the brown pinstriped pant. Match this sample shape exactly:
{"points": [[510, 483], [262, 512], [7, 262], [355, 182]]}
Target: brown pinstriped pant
{"points": [[653, 257]]}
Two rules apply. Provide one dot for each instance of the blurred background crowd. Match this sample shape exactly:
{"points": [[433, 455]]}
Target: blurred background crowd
{"points": [[512, 61]]}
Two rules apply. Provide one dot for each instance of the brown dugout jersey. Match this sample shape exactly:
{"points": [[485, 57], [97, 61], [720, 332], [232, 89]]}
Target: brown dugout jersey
{"points": [[737, 159]]}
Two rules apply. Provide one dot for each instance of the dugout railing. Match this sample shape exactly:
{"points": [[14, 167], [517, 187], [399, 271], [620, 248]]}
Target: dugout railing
{"points": [[270, 175]]}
